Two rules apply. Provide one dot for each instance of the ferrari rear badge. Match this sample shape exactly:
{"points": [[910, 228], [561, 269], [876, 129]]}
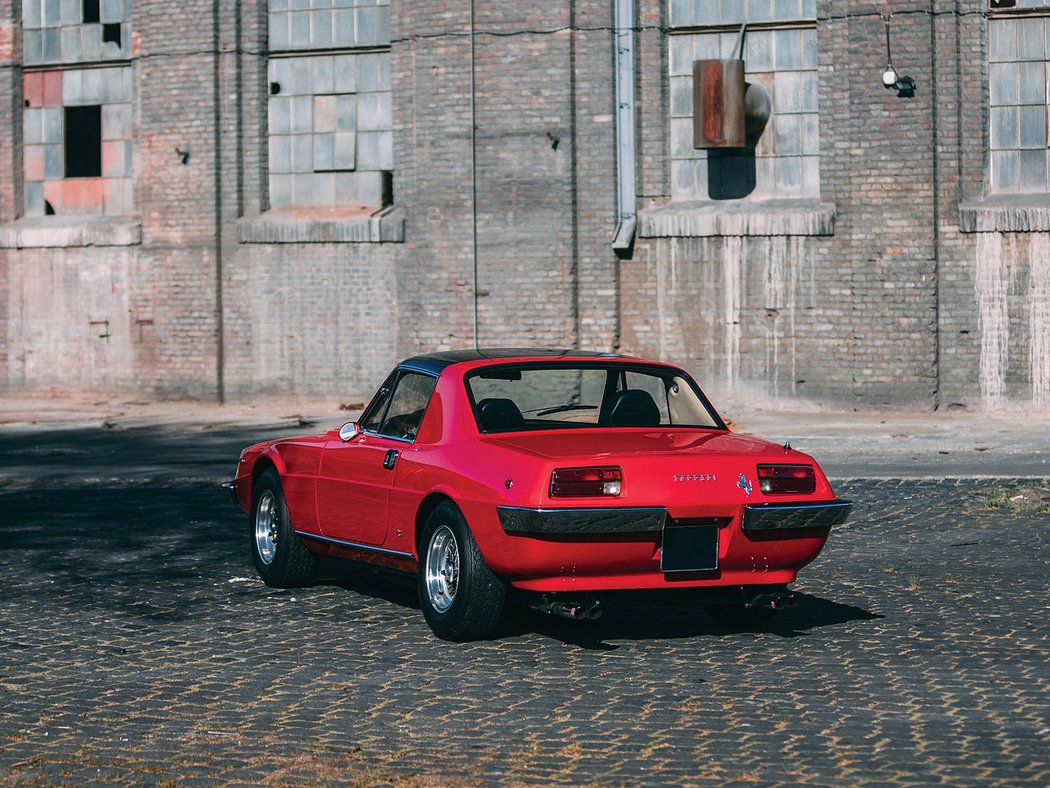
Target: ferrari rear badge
{"points": [[694, 477], [744, 484]]}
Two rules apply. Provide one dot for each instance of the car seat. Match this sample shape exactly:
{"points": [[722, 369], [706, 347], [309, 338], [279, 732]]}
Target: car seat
{"points": [[499, 415], [634, 408]]}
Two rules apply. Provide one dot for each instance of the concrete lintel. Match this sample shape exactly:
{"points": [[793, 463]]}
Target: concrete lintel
{"points": [[1016, 213], [385, 226], [707, 218], [70, 232]]}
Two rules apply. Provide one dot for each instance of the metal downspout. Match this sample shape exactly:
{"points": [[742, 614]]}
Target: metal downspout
{"points": [[217, 185], [626, 189], [473, 183]]}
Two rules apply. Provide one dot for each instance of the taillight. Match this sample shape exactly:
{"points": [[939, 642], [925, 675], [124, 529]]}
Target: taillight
{"points": [[786, 479], [572, 482]]}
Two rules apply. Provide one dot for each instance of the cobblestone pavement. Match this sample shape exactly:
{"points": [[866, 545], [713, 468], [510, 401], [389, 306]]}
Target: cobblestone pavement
{"points": [[136, 645]]}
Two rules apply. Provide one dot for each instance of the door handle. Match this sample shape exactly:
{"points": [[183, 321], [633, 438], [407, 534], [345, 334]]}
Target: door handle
{"points": [[390, 460]]}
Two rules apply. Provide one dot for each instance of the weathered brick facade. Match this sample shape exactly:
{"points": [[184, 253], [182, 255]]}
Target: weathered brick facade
{"points": [[909, 279]]}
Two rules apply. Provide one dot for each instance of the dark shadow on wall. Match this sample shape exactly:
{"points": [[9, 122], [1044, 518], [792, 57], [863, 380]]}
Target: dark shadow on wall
{"points": [[731, 172]]}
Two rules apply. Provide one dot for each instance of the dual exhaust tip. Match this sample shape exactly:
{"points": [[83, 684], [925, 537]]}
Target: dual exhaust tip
{"points": [[780, 600], [575, 609], [585, 609]]}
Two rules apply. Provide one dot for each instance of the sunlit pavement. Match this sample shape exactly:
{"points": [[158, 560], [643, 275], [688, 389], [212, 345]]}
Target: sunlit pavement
{"points": [[136, 645]]}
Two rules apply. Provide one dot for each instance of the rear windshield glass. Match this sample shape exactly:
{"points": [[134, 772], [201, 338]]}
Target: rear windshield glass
{"points": [[513, 397]]}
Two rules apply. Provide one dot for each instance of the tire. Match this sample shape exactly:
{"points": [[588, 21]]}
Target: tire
{"points": [[280, 557], [460, 596], [736, 615]]}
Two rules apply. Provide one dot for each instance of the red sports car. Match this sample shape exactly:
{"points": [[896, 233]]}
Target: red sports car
{"points": [[561, 474]]}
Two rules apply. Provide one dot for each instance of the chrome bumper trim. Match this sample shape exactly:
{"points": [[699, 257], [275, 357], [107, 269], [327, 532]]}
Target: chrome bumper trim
{"points": [[612, 520], [778, 516], [354, 545], [229, 488]]}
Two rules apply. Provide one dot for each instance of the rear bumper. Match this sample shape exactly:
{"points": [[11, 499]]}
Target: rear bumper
{"points": [[610, 520], [781, 516]]}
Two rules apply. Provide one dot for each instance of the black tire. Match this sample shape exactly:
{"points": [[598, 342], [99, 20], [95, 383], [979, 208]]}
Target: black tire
{"points": [[281, 559], [466, 603], [728, 614]]}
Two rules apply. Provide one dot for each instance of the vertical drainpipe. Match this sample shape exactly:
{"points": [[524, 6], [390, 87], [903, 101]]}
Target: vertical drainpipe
{"points": [[473, 182], [217, 185], [626, 190]]}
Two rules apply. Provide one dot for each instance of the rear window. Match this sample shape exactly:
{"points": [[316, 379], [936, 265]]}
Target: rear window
{"points": [[512, 397]]}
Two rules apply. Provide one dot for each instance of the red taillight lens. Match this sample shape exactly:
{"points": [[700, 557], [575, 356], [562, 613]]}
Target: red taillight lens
{"points": [[570, 482], [786, 479]]}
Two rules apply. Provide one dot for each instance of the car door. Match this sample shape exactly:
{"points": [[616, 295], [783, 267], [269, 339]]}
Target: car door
{"points": [[353, 487]]}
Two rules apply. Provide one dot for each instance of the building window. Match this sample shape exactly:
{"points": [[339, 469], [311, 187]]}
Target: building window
{"points": [[71, 32], [330, 125], [324, 24], [76, 120], [330, 130], [1017, 85], [783, 60], [77, 141]]}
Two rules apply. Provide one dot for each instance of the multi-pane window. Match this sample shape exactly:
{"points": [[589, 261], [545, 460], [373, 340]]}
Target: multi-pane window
{"points": [[330, 129], [330, 125], [1018, 54], [76, 119], [781, 59], [76, 31], [320, 24]]}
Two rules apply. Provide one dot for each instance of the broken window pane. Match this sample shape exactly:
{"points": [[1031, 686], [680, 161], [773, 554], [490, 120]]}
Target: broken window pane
{"points": [[83, 141]]}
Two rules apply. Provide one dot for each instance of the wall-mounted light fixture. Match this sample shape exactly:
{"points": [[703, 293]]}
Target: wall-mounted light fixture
{"points": [[905, 86]]}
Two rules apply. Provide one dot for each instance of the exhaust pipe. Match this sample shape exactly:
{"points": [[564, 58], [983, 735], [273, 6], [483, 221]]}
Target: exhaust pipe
{"points": [[576, 609], [780, 600]]}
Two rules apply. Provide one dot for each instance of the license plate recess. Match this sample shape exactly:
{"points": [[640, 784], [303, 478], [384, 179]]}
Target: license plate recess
{"points": [[689, 548]]}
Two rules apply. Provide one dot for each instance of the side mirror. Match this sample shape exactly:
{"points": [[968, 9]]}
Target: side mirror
{"points": [[349, 431]]}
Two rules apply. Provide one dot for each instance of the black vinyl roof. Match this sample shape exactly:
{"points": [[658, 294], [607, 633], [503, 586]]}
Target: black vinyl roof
{"points": [[435, 362]]}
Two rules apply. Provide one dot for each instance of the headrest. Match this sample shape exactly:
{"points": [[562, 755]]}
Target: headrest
{"points": [[634, 408], [500, 415]]}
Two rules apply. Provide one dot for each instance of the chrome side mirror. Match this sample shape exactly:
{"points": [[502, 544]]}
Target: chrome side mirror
{"points": [[349, 431]]}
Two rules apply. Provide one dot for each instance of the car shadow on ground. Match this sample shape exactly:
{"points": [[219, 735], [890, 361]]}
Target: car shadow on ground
{"points": [[625, 618], [164, 552]]}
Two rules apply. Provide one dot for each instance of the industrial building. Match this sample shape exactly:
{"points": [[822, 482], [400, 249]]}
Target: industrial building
{"points": [[230, 199]]}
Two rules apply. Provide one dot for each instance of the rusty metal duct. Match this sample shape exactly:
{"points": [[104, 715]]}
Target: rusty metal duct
{"points": [[718, 101], [626, 189]]}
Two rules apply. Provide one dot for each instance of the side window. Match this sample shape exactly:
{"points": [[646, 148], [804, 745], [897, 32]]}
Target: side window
{"points": [[407, 405], [373, 415]]}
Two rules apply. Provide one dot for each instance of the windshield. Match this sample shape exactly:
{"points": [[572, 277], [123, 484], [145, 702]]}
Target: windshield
{"points": [[540, 396]]}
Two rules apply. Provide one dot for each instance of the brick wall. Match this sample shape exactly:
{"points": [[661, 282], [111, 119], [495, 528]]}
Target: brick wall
{"points": [[204, 291]]}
